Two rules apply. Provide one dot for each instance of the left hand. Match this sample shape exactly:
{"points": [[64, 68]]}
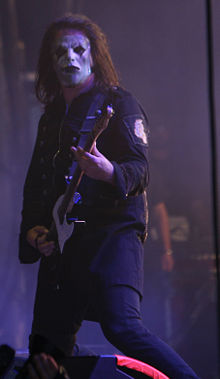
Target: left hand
{"points": [[37, 237], [94, 164], [43, 367], [167, 262]]}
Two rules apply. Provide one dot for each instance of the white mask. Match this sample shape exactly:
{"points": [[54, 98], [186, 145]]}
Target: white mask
{"points": [[72, 57]]}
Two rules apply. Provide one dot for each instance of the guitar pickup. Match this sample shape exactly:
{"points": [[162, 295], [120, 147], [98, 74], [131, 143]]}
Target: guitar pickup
{"points": [[70, 220]]}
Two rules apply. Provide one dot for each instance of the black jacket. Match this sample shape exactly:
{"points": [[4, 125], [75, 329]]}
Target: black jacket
{"points": [[115, 215]]}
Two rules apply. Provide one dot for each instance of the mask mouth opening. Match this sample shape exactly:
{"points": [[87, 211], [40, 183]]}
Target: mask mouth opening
{"points": [[70, 69]]}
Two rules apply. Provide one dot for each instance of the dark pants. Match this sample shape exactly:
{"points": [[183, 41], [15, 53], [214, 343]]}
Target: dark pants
{"points": [[122, 326], [55, 317]]}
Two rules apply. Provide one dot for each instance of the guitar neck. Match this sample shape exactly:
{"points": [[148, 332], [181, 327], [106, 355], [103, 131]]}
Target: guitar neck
{"points": [[100, 125], [75, 181]]}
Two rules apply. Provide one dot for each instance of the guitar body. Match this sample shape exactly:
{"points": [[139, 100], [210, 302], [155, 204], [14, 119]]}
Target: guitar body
{"points": [[64, 230]]}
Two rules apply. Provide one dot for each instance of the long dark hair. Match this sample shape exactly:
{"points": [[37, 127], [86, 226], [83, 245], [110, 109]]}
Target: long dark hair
{"points": [[47, 86]]}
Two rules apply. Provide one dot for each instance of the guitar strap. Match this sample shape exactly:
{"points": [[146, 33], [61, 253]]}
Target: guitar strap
{"points": [[94, 111]]}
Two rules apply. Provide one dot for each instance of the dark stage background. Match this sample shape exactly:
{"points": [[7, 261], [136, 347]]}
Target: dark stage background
{"points": [[160, 50]]}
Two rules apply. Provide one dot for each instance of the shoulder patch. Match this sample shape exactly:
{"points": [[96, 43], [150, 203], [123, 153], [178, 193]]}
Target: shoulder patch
{"points": [[139, 130], [137, 127]]}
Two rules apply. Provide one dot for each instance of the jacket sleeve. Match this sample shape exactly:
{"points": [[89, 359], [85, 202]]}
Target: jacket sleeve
{"points": [[129, 147], [33, 210]]}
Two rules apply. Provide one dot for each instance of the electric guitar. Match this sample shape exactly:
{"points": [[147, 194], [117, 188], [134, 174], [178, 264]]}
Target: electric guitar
{"points": [[61, 230]]}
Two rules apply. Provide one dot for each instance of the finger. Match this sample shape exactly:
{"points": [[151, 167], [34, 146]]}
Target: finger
{"points": [[32, 374], [48, 245], [49, 365], [96, 152], [52, 365], [40, 229], [47, 249], [73, 149], [42, 239], [84, 156], [78, 152], [39, 362]]}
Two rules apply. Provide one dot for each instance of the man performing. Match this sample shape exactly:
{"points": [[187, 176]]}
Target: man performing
{"points": [[99, 274]]}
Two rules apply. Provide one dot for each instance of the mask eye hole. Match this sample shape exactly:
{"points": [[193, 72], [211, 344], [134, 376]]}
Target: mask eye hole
{"points": [[60, 51], [79, 50]]}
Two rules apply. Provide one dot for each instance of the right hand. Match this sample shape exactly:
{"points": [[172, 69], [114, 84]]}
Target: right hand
{"points": [[37, 238], [94, 164]]}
